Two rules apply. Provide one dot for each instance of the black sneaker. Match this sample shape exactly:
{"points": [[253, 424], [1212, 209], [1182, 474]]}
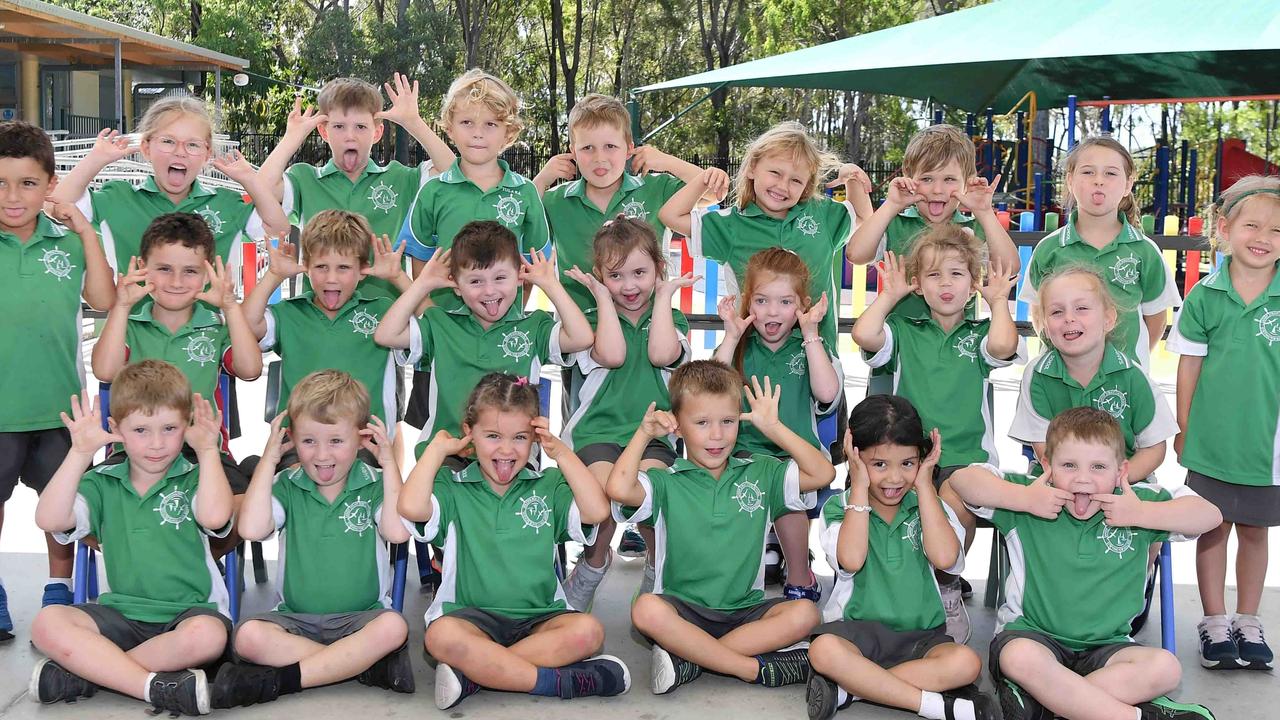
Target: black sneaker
{"points": [[244, 684], [1162, 708], [670, 671], [185, 692], [50, 683], [1246, 631], [820, 696], [602, 676], [787, 666], [632, 543], [984, 706], [1140, 621], [966, 590], [1017, 704], [1217, 644], [393, 672], [452, 687]]}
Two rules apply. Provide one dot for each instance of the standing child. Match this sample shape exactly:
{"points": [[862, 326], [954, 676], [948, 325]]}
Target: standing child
{"points": [[500, 621], [1103, 232], [776, 334], [1225, 333], [44, 272], [886, 536]]}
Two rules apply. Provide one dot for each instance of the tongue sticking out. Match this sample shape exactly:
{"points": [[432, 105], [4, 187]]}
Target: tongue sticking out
{"points": [[331, 298], [1081, 502], [350, 160], [176, 176], [505, 470], [936, 208], [325, 474]]}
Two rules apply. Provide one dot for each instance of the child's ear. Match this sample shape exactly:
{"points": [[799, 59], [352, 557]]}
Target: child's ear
{"points": [[111, 425], [379, 126], [323, 130], [53, 183]]}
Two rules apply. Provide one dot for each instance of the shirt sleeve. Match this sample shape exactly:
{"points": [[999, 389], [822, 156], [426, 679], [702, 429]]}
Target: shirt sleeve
{"points": [[1035, 272], [682, 330], [442, 513], [654, 491], [1155, 422], [419, 233], [535, 233], [1029, 421], [421, 341], [821, 408], [1002, 519], [783, 478], [279, 500], [1159, 289], [87, 508], [958, 529], [568, 517], [887, 352], [270, 339], [842, 220], [291, 198], [546, 337], [705, 235], [1189, 334], [1019, 354]]}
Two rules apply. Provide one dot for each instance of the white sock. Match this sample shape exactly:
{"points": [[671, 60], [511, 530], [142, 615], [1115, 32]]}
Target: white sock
{"points": [[932, 706], [146, 688], [1137, 713], [60, 581]]}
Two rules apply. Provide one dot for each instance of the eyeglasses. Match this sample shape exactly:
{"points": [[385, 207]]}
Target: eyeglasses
{"points": [[167, 144]]}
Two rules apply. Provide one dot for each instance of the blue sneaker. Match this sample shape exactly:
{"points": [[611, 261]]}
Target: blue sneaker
{"points": [[811, 592], [56, 594], [6, 622], [1217, 646], [1246, 631]]}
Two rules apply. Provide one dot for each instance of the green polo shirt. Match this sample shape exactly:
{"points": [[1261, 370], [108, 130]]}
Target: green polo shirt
{"points": [[710, 534], [156, 554], [575, 219], [1132, 266], [497, 556], [787, 368], [1239, 380], [382, 195], [451, 200], [1080, 582], [946, 375], [307, 340], [122, 212], [200, 349], [895, 586], [613, 401], [458, 352], [901, 236], [318, 536], [41, 281], [816, 230]]}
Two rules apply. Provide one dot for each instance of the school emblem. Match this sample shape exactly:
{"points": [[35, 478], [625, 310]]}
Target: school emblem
{"points": [[1113, 401], [1269, 327], [213, 218], [806, 225], [508, 209], [911, 532], [635, 210], [383, 197], [364, 323], [516, 344], [798, 364], [174, 508], [1125, 270], [534, 512], [1119, 540], [57, 263], [749, 497], [357, 515], [967, 346], [200, 349]]}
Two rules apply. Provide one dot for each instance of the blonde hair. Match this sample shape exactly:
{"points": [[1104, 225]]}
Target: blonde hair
{"points": [[705, 377], [478, 86], [763, 267], [1100, 288], [1128, 204], [935, 146], [148, 386], [929, 248], [1249, 188], [790, 140], [330, 397], [618, 238], [1086, 425], [167, 110], [340, 231], [349, 94], [595, 110]]}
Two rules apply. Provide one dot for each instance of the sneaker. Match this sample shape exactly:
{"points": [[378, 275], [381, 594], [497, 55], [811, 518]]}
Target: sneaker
{"points": [[50, 683], [1017, 704], [392, 672], [670, 672], [787, 666], [1246, 631], [1218, 650], [773, 568], [984, 706], [55, 593], [601, 676], [452, 687], [821, 696], [581, 585], [966, 590], [811, 592], [6, 622], [1162, 708], [240, 685], [1140, 621], [957, 613], [185, 692], [632, 543]]}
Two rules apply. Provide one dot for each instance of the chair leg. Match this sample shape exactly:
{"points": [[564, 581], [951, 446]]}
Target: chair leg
{"points": [[259, 564], [80, 575], [423, 553], [400, 553], [231, 561], [1168, 632], [92, 580]]}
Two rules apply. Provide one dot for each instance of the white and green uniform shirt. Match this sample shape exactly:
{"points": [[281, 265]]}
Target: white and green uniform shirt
{"points": [[382, 195], [500, 551], [896, 585], [41, 282], [1132, 267], [332, 556], [122, 212], [787, 368], [816, 230], [613, 401], [307, 340], [1120, 387], [947, 376], [200, 349], [709, 535], [1080, 582], [575, 219], [458, 352], [900, 236], [1233, 432], [156, 554]]}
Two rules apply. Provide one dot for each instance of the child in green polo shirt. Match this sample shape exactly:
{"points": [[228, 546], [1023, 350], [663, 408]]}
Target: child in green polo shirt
{"points": [[44, 272], [886, 536], [942, 362], [177, 141], [153, 514], [775, 334], [335, 514], [1103, 232], [499, 620], [710, 514], [1229, 415], [1078, 539]]}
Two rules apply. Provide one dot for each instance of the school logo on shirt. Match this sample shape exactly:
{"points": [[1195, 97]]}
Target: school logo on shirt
{"points": [[798, 364], [57, 263], [967, 346], [1269, 327], [1113, 401], [1119, 540], [749, 497], [364, 322], [635, 210], [213, 218], [508, 209], [806, 225], [174, 508], [1125, 270], [516, 344], [357, 515], [534, 512], [911, 532], [383, 197], [200, 349]]}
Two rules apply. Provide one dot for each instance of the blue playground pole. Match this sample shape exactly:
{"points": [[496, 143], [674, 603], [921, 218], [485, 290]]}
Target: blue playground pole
{"points": [[989, 152], [1106, 115], [1039, 197], [1182, 176], [1192, 167], [1021, 148], [970, 124], [1162, 184], [1071, 121], [710, 293], [937, 116]]}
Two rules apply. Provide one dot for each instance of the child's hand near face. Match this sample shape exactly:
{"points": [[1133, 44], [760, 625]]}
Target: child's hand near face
{"points": [[1123, 510], [283, 260], [810, 320], [541, 271], [1043, 499], [999, 283], [893, 276], [551, 445], [764, 405], [132, 286], [716, 183], [445, 444], [277, 442], [205, 430], [374, 439], [924, 476], [69, 215], [85, 425], [222, 290], [302, 123], [658, 423], [734, 327], [977, 193], [666, 288], [589, 281], [903, 193], [859, 477], [234, 166], [110, 146], [388, 263]]}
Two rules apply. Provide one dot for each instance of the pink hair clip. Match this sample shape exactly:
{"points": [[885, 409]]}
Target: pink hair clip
{"points": [[522, 381]]}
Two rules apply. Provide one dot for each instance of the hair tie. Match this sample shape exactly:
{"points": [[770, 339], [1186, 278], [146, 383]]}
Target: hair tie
{"points": [[1226, 209], [522, 381]]}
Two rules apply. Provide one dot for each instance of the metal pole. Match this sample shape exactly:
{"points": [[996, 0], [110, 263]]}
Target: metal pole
{"points": [[990, 154], [1192, 164], [1039, 208], [937, 116], [1162, 184], [970, 124], [1106, 115], [217, 98], [1071, 122], [1182, 177], [633, 107], [119, 82]]}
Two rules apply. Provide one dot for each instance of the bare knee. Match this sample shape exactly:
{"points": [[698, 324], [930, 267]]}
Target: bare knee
{"points": [[1021, 658], [651, 614], [48, 629], [388, 631], [1165, 671], [966, 663], [584, 634], [446, 641], [1251, 535], [202, 637], [803, 616], [828, 652]]}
